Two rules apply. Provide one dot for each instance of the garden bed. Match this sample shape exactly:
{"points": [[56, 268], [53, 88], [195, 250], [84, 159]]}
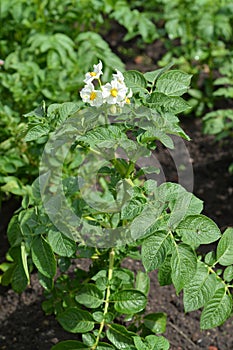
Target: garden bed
{"points": [[23, 325]]}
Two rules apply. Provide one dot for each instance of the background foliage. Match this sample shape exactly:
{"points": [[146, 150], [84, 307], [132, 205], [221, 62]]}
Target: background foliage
{"points": [[47, 46]]}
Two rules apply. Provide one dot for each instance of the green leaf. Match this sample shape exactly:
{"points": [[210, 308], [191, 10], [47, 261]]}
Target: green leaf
{"points": [[225, 248], [132, 208], [142, 282], [66, 109], [156, 322], [120, 337], [19, 279], [152, 342], [88, 339], [212, 123], [14, 234], [183, 205], [164, 274], [90, 296], [200, 289], [144, 223], [125, 276], [155, 249], [36, 132], [61, 244], [129, 301], [75, 320], [198, 229], [153, 133], [43, 257], [210, 258], [183, 264], [18, 274], [157, 342], [7, 276], [107, 137], [140, 345], [228, 274], [70, 345], [152, 76], [46, 282], [135, 80], [173, 104], [104, 346], [173, 83], [217, 310], [24, 260]]}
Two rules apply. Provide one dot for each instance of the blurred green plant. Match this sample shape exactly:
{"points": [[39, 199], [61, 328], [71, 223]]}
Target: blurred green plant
{"points": [[200, 39], [44, 46], [220, 121]]}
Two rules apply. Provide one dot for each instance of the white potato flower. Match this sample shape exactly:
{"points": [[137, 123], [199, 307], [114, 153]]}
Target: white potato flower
{"points": [[127, 98], [114, 92], [97, 72], [91, 96], [119, 77]]}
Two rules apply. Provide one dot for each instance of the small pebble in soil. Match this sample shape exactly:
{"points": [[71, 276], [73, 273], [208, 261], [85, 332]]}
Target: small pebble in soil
{"points": [[54, 340], [212, 348]]}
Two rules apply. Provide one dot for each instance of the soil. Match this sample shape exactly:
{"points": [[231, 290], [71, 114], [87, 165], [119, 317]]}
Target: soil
{"points": [[23, 325]]}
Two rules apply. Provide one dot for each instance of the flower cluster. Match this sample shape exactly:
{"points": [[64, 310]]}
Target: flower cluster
{"points": [[113, 93]]}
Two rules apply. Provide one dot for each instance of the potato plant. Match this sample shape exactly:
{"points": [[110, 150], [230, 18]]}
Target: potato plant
{"points": [[97, 198]]}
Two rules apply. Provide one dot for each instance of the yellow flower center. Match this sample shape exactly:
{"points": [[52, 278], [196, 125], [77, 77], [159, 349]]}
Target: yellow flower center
{"points": [[92, 95], [127, 100], [93, 74], [114, 92]]}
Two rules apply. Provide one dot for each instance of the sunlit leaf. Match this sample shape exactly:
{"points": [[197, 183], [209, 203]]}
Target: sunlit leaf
{"points": [[225, 248], [75, 320], [155, 249], [183, 264], [200, 289], [129, 301], [217, 310]]}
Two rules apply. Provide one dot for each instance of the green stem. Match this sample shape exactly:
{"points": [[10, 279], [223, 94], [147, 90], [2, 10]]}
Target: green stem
{"points": [[107, 297], [130, 169]]}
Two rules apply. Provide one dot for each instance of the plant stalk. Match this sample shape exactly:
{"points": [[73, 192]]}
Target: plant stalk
{"points": [[107, 296]]}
